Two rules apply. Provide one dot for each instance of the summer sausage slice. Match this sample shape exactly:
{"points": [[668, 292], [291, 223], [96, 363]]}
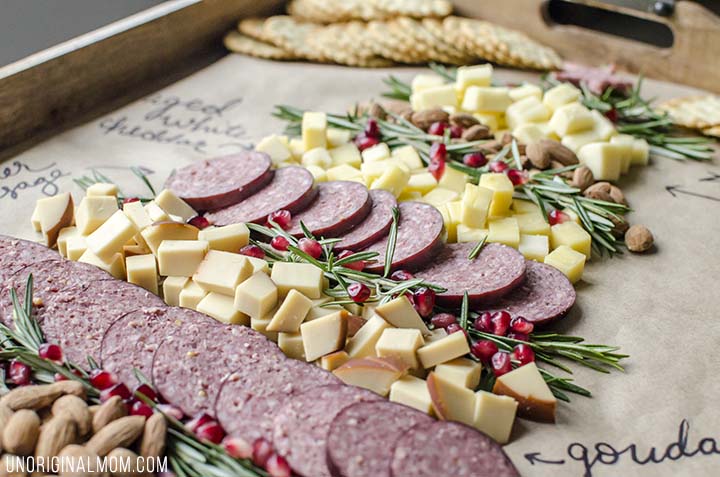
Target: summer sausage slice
{"points": [[496, 271], [340, 206], [300, 428], [375, 226], [419, 238], [291, 189], [17, 253], [449, 448], [361, 436], [223, 181], [546, 294]]}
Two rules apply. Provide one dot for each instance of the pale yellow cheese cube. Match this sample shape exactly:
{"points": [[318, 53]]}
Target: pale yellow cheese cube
{"points": [[523, 91], [260, 325], [528, 133], [394, 180], [221, 308], [363, 343], [468, 234], [486, 99], [453, 219], [228, 238], [102, 188], [63, 237], [292, 345], [505, 231], [332, 361], [434, 97], [376, 153], [603, 159], [439, 196], [476, 75], [318, 173], [324, 335], [475, 206], [452, 179], [560, 95], [425, 81], [35, 220], [412, 392], [534, 247], [406, 195], [142, 271], [274, 147], [155, 213], [373, 170], [314, 130], [93, 212], [400, 313], [572, 235], [435, 335], [115, 266], [290, 313], [571, 118], [502, 192], [174, 205], [491, 120], [304, 277], [137, 215], [134, 249], [409, 156], [296, 147], [494, 415], [346, 154], [181, 257], [445, 349], [526, 110], [337, 137], [400, 343], [318, 156], [172, 286], [190, 295], [257, 295], [641, 152], [157, 233], [109, 238], [343, 172], [573, 216], [532, 223], [569, 261], [75, 247], [521, 206], [627, 144], [259, 265], [222, 272], [462, 371], [602, 130], [423, 183]]}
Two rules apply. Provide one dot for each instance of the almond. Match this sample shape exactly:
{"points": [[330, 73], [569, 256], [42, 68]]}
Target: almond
{"points": [[41, 395], [620, 226], [464, 120], [56, 434], [560, 153], [113, 408], [128, 459], [76, 409], [639, 239], [76, 388], [538, 155], [582, 178], [617, 195], [154, 436], [599, 191], [423, 119], [21, 432], [477, 133], [72, 455], [5, 415], [119, 433]]}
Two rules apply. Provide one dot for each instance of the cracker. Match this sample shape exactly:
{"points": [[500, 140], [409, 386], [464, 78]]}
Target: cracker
{"points": [[388, 42], [239, 43], [695, 112], [713, 131], [253, 27], [436, 48], [333, 11], [347, 44], [293, 36], [413, 8]]}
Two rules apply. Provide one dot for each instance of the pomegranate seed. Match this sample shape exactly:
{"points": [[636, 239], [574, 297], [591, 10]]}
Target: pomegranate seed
{"points": [[437, 128], [237, 447], [199, 221], [438, 152], [443, 320], [372, 129], [281, 217], [211, 431], [127, 200], [357, 265], [521, 325], [437, 168], [523, 353], [516, 335], [198, 420], [311, 247], [261, 452], [456, 131], [146, 390], [475, 159], [363, 141], [19, 373], [277, 466], [484, 322], [517, 177], [500, 322], [253, 251], [359, 292], [424, 301], [139, 408], [454, 328], [170, 410], [59, 377], [612, 115], [501, 364], [484, 350], [279, 243], [498, 166], [51, 352], [118, 389], [401, 275], [556, 216], [101, 379]]}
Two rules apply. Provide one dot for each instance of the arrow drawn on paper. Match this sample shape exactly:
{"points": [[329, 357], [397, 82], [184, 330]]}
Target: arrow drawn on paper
{"points": [[533, 458], [674, 190]]}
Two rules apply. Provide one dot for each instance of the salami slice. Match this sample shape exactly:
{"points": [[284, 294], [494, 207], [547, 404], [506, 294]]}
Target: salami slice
{"points": [[449, 448], [190, 365], [300, 428], [375, 226], [291, 189], [496, 271], [17, 253], [216, 183], [546, 294], [339, 206], [361, 436], [419, 238]]}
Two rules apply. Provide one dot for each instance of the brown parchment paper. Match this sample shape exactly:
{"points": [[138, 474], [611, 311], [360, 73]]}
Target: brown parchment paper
{"points": [[662, 308]]}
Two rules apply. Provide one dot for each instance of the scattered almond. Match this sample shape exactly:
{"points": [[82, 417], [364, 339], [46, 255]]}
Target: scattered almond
{"points": [[582, 178], [32, 397], [464, 120], [477, 133], [639, 239], [76, 388], [119, 433], [73, 454], [58, 432], [599, 191], [617, 195], [620, 226], [377, 111], [129, 459], [76, 409], [5, 415], [154, 436], [21, 432], [113, 408], [538, 155], [423, 119]]}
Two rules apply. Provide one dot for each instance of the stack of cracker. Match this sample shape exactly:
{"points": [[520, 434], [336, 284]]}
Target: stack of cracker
{"points": [[701, 113]]}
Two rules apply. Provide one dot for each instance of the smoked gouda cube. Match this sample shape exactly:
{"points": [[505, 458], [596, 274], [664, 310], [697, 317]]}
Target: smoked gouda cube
{"points": [[400, 313], [63, 236], [376, 153], [445, 349], [93, 212], [324, 335], [462, 371], [190, 295], [528, 132], [363, 343], [525, 90], [534, 247], [346, 154], [222, 272], [560, 95], [603, 159], [505, 231], [304, 277], [174, 205], [451, 401], [228, 238], [468, 234], [477, 75], [374, 374], [394, 180], [172, 286], [35, 220], [526, 110], [221, 308], [142, 271], [435, 335], [102, 188], [337, 137], [181, 257], [423, 182], [292, 345], [319, 157], [291, 313], [569, 261], [532, 223], [332, 361], [157, 233], [257, 295], [314, 130], [452, 179], [409, 156], [425, 81], [486, 99], [502, 190], [571, 234], [434, 97], [260, 325], [75, 247], [494, 415], [439, 196], [343, 172], [626, 143], [109, 238], [274, 147], [475, 206], [400, 343], [115, 266], [412, 392], [571, 118], [527, 386]]}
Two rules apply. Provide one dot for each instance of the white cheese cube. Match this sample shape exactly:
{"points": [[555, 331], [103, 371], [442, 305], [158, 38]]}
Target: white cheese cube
{"points": [[228, 238], [75, 247], [521, 206], [486, 99], [527, 110], [304, 277], [363, 343], [571, 234], [567, 260], [343, 172], [109, 238], [435, 335], [603, 159], [571, 118], [641, 152], [401, 344], [314, 130], [532, 223], [528, 132], [291, 313], [296, 147], [439, 196], [54, 213], [425, 81], [157, 233], [475, 206], [505, 231], [274, 147], [181, 257], [142, 271], [394, 180], [260, 325], [409, 156], [63, 236], [174, 205], [463, 233], [93, 211], [602, 130], [259, 265], [491, 120], [525, 90], [452, 179], [494, 415], [35, 220], [434, 97], [222, 272], [139, 217], [292, 345], [534, 247], [324, 335], [627, 144], [190, 295], [423, 183], [256, 296], [172, 286], [318, 173], [412, 392], [462, 371], [115, 266], [376, 153], [102, 188], [560, 95], [400, 313], [221, 308], [155, 213], [346, 154], [445, 349], [527, 386], [337, 137], [318, 156], [477, 75]]}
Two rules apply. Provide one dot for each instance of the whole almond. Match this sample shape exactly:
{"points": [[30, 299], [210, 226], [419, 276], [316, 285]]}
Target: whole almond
{"points": [[56, 434], [21, 432], [424, 119], [76, 409], [599, 191], [538, 155], [582, 178], [617, 195], [620, 226], [125, 457], [72, 455], [76, 388], [11, 465], [477, 133], [154, 436], [464, 120], [113, 408], [377, 111], [639, 239], [41, 395], [5, 415], [559, 152], [119, 433]]}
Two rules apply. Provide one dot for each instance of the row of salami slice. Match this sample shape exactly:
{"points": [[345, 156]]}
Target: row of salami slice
{"points": [[322, 426]]}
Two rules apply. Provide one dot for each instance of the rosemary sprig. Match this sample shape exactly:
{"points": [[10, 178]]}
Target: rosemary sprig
{"points": [[96, 177], [477, 249], [392, 239]]}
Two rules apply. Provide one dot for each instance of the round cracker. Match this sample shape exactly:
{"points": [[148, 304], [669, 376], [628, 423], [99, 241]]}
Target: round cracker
{"points": [[239, 43], [253, 27], [293, 36], [695, 112]]}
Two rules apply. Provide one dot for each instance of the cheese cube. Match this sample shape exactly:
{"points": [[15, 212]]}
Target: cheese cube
{"points": [[569, 261], [400, 343], [435, 335], [452, 179], [318, 173], [528, 132], [602, 130], [332, 361], [115, 266], [346, 154], [376, 153], [317, 157], [400, 313], [641, 152], [560, 95], [155, 213], [521, 206], [412, 392], [174, 205], [502, 192], [109, 238], [343, 172], [228, 238], [190, 295], [462, 371], [475, 206], [181, 257], [505, 231], [63, 237], [526, 110], [138, 216], [291, 313], [451, 401], [292, 345], [409, 156], [571, 118], [102, 188], [363, 343], [532, 223], [627, 144], [573, 216], [439, 196], [172, 286], [491, 120], [134, 250], [374, 374], [603, 159], [93, 212], [296, 147], [423, 183], [486, 99], [425, 81], [534, 247], [222, 272], [314, 130], [494, 415], [337, 137], [157, 233], [394, 180], [445, 349], [259, 265], [525, 90], [35, 220], [274, 147], [260, 325], [572, 235], [256, 296], [142, 271], [304, 277], [469, 234], [221, 308], [75, 247], [324, 335], [527, 386], [434, 97], [477, 75]]}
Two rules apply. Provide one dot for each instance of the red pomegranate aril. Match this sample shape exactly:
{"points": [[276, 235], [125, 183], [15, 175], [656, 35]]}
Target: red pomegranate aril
{"points": [[359, 292], [484, 350], [199, 221], [500, 322], [517, 177], [19, 373], [424, 301], [521, 325], [372, 129], [139, 408], [59, 377], [253, 251], [556, 216], [498, 166], [237, 447], [401, 275], [516, 335], [311, 247], [474, 159], [211, 431], [170, 410], [484, 322], [281, 217], [279, 243], [146, 390], [437, 168], [438, 151], [198, 420], [454, 328], [501, 363], [277, 466], [101, 379], [363, 141], [262, 450], [127, 200], [51, 352], [118, 389], [456, 131], [443, 320], [523, 353], [437, 128], [612, 114], [357, 265]]}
